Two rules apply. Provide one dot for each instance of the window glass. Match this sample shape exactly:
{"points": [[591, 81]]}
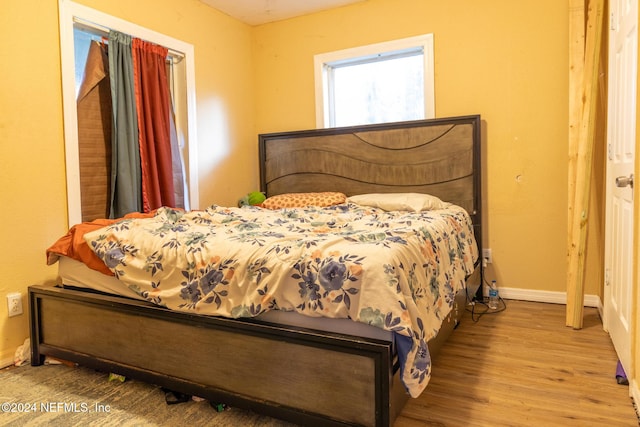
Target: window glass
{"points": [[383, 82], [81, 41], [379, 91]]}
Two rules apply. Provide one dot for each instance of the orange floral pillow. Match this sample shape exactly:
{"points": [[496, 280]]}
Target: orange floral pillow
{"points": [[301, 200]]}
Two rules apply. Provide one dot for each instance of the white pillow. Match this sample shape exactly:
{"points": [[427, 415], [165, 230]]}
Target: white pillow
{"points": [[415, 202]]}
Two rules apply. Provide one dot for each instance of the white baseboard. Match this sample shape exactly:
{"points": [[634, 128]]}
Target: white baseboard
{"points": [[506, 293], [547, 296], [634, 391], [6, 360]]}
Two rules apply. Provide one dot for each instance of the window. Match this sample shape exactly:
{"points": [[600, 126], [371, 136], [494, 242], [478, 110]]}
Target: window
{"points": [[77, 23], [383, 82]]}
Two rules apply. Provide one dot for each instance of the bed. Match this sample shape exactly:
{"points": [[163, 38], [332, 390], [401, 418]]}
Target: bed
{"points": [[308, 369]]}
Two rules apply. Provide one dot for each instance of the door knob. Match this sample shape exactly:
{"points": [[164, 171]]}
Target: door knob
{"points": [[623, 181]]}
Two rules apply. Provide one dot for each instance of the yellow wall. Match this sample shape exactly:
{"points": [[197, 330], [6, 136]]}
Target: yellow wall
{"points": [[506, 60], [33, 190], [634, 375]]}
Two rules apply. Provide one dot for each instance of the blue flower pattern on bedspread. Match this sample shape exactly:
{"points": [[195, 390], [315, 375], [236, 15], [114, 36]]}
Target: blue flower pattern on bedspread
{"points": [[394, 270]]}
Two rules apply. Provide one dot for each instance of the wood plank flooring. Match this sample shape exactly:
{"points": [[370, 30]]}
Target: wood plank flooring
{"points": [[524, 367]]}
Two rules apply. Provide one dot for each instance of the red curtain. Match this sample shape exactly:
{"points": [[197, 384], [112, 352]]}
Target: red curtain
{"points": [[152, 99]]}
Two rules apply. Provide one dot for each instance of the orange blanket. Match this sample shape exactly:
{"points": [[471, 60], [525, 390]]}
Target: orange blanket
{"points": [[72, 244]]}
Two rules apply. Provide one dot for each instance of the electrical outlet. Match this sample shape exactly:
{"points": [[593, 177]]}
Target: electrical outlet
{"points": [[486, 255], [14, 303]]}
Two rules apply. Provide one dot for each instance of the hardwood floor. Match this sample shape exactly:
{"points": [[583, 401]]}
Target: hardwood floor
{"points": [[524, 367]]}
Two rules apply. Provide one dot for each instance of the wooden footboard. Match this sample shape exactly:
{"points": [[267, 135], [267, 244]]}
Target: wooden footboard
{"points": [[295, 374], [301, 375]]}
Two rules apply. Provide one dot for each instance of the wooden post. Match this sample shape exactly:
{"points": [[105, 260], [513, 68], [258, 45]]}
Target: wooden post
{"points": [[580, 162], [576, 70]]}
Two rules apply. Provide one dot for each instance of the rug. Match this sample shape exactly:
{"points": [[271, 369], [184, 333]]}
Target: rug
{"points": [[64, 395]]}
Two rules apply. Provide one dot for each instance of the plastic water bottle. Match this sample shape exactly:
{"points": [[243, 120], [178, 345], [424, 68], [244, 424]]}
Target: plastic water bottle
{"points": [[493, 296]]}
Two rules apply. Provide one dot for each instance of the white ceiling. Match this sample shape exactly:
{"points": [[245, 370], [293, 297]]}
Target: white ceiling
{"points": [[256, 12]]}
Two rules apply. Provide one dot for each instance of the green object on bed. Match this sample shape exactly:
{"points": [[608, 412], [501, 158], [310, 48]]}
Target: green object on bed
{"points": [[252, 199]]}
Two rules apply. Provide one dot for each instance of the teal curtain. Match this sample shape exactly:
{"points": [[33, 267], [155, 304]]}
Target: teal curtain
{"points": [[126, 193]]}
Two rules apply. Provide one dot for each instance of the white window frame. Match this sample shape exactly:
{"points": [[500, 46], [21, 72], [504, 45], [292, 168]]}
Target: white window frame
{"points": [[324, 61], [71, 12]]}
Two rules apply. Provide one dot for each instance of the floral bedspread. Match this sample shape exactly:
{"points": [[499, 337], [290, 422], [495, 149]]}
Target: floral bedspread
{"points": [[395, 270]]}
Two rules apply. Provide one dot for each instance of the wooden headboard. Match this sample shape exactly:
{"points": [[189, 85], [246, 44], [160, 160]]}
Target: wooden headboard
{"points": [[438, 156]]}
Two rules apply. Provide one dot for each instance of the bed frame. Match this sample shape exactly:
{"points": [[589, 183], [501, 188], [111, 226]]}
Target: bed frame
{"points": [[270, 368]]}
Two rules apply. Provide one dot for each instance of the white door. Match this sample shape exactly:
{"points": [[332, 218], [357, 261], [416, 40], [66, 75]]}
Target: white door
{"points": [[621, 139]]}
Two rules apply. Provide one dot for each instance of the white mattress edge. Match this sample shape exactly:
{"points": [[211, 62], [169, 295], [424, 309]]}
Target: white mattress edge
{"points": [[75, 273]]}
